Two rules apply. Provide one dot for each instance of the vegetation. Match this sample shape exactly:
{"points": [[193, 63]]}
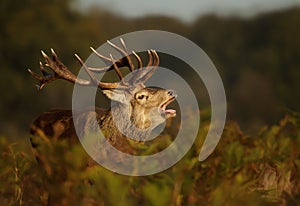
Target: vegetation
{"points": [[250, 170], [258, 60]]}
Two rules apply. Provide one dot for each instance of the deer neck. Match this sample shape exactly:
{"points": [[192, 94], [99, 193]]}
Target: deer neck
{"points": [[124, 121]]}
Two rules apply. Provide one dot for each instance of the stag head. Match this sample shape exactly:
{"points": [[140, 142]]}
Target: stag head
{"points": [[136, 110]]}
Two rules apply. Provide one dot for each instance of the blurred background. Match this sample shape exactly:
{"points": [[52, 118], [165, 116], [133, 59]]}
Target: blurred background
{"points": [[254, 44]]}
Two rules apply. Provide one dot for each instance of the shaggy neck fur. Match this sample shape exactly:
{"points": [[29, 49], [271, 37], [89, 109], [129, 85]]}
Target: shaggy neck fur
{"points": [[126, 121]]}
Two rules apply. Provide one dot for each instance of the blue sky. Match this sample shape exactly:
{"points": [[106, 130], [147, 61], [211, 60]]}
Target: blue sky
{"points": [[188, 10]]}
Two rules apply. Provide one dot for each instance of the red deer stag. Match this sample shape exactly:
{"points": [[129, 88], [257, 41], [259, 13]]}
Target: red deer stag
{"points": [[143, 107]]}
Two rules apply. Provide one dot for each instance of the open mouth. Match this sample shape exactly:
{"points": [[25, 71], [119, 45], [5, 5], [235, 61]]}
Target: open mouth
{"points": [[168, 112]]}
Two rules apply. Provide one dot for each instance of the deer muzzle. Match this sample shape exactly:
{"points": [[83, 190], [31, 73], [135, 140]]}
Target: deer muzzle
{"points": [[168, 113]]}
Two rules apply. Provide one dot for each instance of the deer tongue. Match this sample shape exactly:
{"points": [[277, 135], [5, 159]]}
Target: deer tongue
{"points": [[170, 111]]}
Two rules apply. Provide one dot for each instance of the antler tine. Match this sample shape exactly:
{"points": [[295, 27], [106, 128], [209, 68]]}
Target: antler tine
{"points": [[150, 58], [152, 68], [145, 73], [124, 52], [102, 69], [117, 69], [46, 78], [123, 44], [107, 68], [138, 73], [54, 55], [45, 74], [94, 81], [125, 61], [43, 80], [100, 55], [131, 66], [139, 60]]}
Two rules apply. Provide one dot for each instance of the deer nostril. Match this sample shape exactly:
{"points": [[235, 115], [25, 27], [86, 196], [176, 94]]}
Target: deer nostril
{"points": [[171, 93]]}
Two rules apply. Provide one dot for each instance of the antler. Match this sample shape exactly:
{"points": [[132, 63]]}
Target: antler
{"points": [[60, 71]]}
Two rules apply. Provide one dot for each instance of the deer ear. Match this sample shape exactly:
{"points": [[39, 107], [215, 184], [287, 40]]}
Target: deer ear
{"points": [[115, 95]]}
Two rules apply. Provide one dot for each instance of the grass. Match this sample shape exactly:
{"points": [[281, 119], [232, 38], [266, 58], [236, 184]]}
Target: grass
{"points": [[251, 170]]}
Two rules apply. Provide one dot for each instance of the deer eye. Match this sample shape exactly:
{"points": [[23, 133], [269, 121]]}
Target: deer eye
{"points": [[142, 96]]}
